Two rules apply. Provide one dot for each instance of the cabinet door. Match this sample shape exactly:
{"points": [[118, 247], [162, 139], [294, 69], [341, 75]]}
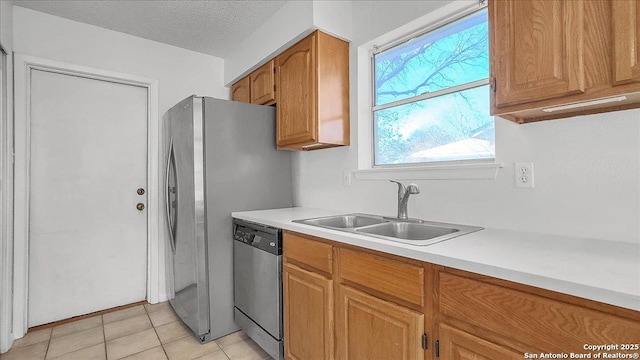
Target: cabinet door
{"points": [[371, 328], [537, 50], [240, 90], [308, 314], [262, 85], [297, 93], [459, 345], [626, 27]]}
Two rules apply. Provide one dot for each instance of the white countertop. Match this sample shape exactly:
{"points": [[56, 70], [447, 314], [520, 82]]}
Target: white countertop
{"points": [[605, 271]]}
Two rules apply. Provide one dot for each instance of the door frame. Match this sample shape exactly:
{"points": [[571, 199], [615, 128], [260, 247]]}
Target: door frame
{"points": [[23, 66], [6, 200]]}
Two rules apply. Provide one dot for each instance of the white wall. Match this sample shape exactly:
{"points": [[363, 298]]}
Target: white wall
{"points": [[587, 168], [287, 26], [180, 73], [289, 23], [6, 218], [374, 18], [334, 17]]}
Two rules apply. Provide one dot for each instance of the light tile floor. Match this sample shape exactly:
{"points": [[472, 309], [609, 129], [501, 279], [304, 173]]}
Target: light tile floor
{"points": [[151, 332]]}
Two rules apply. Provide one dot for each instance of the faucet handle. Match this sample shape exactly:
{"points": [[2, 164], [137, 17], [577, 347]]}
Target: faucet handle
{"points": [[413, 189]]}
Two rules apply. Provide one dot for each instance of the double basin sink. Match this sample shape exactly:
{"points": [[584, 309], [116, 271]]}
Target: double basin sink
{"points": [[413, 231]]}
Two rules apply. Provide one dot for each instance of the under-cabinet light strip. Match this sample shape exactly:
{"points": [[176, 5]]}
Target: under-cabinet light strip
{"points": [[586, 103]]}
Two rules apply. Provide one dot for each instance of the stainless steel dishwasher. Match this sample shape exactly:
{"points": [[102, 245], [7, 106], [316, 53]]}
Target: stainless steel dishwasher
{"points": [[257, 284]]}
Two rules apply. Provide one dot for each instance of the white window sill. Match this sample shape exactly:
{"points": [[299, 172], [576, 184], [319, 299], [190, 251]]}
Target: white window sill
{"points": [[482, 171]]}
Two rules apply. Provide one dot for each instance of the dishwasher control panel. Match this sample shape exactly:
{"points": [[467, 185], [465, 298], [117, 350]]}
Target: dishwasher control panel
{"points": [[259, 236], [245, 237]]}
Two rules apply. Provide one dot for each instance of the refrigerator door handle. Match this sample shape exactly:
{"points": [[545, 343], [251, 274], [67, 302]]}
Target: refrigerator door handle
{"points": [[170, 214]]}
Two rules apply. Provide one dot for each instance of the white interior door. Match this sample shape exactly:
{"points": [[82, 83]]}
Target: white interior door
{"points": [[87, 239]]}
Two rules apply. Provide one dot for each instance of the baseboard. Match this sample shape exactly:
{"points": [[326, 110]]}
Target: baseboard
{"points": [[85, 316]]}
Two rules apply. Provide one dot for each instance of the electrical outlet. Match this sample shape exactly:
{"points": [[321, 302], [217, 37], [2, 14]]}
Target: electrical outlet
{"points": [[524, 174], [346, 177]]}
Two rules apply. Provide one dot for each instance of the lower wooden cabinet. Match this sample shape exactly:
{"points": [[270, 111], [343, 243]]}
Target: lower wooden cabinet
{"points": [[308, 298], [308, 314], [371, 328], [379, 303], [455, 344], [525, 319], [388, 307]]}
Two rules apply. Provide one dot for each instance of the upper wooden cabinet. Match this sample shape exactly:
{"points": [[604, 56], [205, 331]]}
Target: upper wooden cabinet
{"points": [[296, 84], [257, 87], [552, 58], [263, 85], [240, 90], [627, 40], [312, 93], [540, 64], [310, 84]]}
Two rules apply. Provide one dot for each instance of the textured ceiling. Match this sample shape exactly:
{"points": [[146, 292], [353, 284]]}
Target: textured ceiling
{"points": [[211, 27]]}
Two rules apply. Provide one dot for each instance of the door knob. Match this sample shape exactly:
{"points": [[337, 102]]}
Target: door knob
{"points": [[140, 191], [140, 206]]}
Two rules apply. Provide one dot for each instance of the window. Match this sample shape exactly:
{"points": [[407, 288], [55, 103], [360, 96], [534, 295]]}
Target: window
{"points": [[431, 96]]}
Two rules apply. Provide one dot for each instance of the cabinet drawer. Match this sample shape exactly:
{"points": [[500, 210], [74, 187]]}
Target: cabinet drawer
{"points": [[306, 250], [397, 279], [546, 324]]}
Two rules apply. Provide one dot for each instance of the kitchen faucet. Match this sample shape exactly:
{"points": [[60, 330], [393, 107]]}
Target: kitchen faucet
{"points": [[403, 197]]}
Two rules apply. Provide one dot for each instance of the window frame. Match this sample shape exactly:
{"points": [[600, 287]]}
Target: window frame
{"points": [[451, 17]]}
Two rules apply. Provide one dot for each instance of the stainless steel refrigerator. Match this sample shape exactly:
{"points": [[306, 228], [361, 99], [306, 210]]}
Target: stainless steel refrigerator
{"points": [[221, 157]]}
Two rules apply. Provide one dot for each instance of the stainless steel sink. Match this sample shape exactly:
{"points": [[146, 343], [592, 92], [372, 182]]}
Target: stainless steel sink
{"points": [[413, 231], [344, 221], [408, 231]]}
